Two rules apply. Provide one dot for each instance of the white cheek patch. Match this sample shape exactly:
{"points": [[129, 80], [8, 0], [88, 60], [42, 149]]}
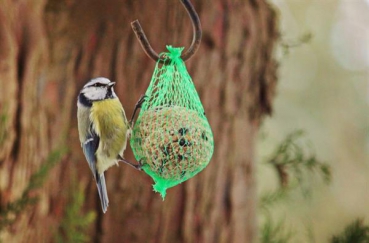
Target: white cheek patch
{"points": [[93, 93]]}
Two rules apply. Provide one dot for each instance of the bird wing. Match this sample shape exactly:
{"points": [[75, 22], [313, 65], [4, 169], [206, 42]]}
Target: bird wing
{"points": [[89, 149]]}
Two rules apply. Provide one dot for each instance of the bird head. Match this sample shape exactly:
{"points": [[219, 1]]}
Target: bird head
{"points": [[98, 89]]}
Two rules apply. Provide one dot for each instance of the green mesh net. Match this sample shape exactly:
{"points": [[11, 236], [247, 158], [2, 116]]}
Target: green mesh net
{"points": [[172, 137]]}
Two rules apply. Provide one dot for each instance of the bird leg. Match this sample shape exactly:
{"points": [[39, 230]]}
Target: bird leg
{"points": [[137, 106], [136, 166]]}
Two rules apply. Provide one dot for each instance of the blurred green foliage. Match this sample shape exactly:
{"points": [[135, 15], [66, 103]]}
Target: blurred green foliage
{"points": [[10, 212], [75, 222], [293, 162], [286, 45], [356, 232], [275, 232], [3, 122], [322, 88], [295, 166]]}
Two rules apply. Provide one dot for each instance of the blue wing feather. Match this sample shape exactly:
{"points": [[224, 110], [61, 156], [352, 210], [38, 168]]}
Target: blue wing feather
{"points": [[89, 148]]}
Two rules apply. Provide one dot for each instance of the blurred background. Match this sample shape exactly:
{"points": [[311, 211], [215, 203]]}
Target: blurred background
{"points": [[323, 89]]}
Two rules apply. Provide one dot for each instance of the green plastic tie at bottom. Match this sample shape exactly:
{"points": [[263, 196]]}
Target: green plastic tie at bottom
{"points": [[161, 184]]}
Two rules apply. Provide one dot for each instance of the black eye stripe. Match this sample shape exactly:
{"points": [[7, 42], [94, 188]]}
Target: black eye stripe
{"points": [[98, 85]]}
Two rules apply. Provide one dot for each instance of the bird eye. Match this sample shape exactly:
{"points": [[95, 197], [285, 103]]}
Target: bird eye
{"points": [[97, 85]]}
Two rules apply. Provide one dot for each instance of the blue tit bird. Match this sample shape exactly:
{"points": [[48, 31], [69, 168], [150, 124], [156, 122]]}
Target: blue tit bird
{"points": [[103, 130]]}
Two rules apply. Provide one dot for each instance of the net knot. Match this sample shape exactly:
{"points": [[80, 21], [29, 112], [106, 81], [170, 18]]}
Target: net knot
{"points": [[174, 53]]}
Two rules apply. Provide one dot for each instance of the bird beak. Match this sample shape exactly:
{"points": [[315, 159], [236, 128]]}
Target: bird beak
{"points": [[111, 84]]}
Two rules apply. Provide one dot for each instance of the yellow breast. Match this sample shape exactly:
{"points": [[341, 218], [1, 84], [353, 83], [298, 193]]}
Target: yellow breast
{"points": [[110, 124]]}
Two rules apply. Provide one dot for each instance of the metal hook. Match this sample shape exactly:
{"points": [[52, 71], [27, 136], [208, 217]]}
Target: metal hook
{"points": [[197, 33]]}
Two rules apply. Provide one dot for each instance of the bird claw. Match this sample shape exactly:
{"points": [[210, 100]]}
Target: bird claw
{"points": [[137, 106], [136, 166], [141, 101]]}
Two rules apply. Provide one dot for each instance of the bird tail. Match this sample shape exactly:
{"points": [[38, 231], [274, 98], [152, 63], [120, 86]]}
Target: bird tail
{"points": [[103, 194]]}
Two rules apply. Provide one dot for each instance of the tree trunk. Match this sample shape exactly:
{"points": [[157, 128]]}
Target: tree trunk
{"points": [[50, 48]]}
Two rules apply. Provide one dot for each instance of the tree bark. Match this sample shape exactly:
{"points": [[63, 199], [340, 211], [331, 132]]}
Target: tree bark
{"points": [[50, 48]]}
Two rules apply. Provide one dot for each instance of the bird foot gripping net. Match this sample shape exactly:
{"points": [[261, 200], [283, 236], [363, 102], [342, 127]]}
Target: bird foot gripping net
{"points": [[172, 137]]}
